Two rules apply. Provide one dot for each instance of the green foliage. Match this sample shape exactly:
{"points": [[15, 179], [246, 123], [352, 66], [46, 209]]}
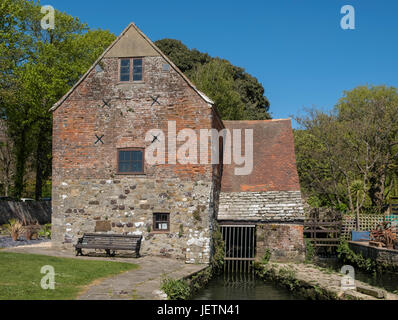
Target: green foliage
{"points": [[309, 251], [199, 280], [37, 68], [346, 255], [217, 259], [45, 231], [176, 289], [288, 278], [216, 80], [348, 158], [181, 231], [266, 257], [225, 81]]}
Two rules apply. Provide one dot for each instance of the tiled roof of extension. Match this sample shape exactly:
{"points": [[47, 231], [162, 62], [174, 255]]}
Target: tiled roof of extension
{"points": [[274, 164]]}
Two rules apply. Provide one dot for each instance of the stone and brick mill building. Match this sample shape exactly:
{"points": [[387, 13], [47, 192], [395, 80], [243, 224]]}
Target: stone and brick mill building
{"points": [[103, 183]]}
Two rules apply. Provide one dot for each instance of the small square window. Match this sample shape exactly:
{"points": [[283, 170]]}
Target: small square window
{"points": [[161, 222], [131, 161]]}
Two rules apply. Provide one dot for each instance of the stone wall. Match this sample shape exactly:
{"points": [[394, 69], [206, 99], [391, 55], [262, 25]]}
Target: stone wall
{"points": [[126, 206], [284, 241], [89, 195], [386, 257], [273, 206]]}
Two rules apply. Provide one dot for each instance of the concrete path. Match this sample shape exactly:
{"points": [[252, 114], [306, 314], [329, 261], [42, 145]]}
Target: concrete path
{"points": [[140, 284]]}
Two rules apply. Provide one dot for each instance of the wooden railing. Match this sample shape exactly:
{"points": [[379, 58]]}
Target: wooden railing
{"points": [[323, 232]]}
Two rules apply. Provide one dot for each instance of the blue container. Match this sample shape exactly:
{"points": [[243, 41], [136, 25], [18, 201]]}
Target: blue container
{"points": [[360, 235]]}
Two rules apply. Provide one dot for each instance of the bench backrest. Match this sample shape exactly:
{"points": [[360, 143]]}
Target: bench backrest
{"points": [[111, 239]]}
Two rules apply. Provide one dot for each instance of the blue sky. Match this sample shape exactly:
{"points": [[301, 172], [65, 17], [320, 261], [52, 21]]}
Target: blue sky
{"points": [[295, 48]]}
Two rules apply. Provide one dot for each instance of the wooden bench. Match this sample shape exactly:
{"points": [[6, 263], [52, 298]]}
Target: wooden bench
{"points": [[108, 242]]}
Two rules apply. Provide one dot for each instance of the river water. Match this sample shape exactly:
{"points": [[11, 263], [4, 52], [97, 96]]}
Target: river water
{"points": [[243, 287]]}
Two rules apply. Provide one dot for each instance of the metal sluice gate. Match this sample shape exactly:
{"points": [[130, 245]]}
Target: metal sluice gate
{"points": [[239, 248]]}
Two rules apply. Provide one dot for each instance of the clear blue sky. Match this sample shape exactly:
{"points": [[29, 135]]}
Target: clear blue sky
{"points": [[295, 48]]}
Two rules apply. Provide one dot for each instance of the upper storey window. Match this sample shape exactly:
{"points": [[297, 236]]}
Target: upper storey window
{"points": [[137, 69], [131, 69], [125, 70]]}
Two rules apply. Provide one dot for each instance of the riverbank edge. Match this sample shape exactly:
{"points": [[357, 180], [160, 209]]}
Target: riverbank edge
{"points": [[186, 287], [316, 283]]}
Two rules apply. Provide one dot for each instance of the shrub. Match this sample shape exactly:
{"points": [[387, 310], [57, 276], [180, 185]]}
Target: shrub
{"points": [[345, 254], [15, 228], [176, 289], [266, 257], [45, 231], [217, 260], [309, 251]]}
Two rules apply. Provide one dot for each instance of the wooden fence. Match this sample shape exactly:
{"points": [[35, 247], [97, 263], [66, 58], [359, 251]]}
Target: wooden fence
{"points": [[367, 222], [323, 232], [28, 212], [324, 228]]}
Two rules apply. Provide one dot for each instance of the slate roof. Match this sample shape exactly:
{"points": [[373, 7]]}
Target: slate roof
{"points": [[274, 167]]}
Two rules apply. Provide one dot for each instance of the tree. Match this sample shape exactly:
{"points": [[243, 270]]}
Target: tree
{"points": [[347, 158], [6, 158], [216, 80], [245, 86], [46, 63]]}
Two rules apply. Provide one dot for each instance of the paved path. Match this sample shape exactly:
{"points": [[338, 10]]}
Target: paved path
{"points": [[139, 284]]}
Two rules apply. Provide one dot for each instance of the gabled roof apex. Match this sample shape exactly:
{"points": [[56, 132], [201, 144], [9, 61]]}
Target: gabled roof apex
{"points": [[132, 25]]}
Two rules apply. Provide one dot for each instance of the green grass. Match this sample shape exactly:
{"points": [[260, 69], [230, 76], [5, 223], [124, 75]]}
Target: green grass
{"points": [[20, 275]]}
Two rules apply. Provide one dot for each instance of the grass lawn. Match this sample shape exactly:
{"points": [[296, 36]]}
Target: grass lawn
{"points": [[20, 275]]}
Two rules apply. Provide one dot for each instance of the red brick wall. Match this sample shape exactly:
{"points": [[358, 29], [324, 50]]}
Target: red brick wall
{"points": [[125, 122], [285, 241]]}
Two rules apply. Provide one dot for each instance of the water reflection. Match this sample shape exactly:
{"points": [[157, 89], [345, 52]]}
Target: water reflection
{"points": [[243, 286]]}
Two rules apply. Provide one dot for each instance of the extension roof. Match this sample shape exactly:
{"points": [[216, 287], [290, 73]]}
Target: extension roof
{"points": [[274, 164]]}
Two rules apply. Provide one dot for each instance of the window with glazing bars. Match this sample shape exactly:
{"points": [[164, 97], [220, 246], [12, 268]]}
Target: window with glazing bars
{"points": [[137, 69], [131, 161], [161, 222], [125, 70]]}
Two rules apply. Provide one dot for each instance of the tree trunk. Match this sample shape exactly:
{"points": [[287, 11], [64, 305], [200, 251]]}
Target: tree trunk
{"points": [[39, 167], [357, 211], [21, 156]]}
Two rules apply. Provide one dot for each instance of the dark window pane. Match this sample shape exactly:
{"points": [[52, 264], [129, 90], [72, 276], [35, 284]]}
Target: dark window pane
{"points": [[124, 167], [125, 63], [137, 77], [137, 166], [137, 155], [124, 77], [137, 62]]}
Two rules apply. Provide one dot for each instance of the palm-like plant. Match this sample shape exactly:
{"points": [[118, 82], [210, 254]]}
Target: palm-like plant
{"points": [[15, 228]]}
